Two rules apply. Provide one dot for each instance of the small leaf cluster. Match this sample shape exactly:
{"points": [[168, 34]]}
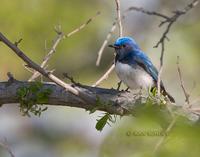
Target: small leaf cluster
{"points": [[153, 96], [30, 96]]}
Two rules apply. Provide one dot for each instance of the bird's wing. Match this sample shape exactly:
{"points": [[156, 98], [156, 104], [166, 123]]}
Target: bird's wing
{"points": [[143, 61]]}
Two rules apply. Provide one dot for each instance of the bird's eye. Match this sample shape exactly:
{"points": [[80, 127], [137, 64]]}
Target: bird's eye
{"points": [[123, 45]]}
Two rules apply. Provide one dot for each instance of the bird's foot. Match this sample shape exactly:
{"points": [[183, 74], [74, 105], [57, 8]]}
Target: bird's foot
{"points": [[127, 89], [119, 85]]}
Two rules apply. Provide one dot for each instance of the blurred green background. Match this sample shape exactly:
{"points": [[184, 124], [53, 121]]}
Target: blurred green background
{"points": [[64, 131]]}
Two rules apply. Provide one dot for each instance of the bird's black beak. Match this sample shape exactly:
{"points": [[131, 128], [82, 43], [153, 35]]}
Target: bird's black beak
{"points": [[114, 46]]}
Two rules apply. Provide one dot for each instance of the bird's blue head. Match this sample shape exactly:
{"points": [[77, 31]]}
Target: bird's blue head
{"points": [[125, 44], [126, 41]]}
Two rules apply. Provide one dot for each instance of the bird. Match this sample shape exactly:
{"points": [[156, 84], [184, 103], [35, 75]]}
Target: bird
{"points": [[134, 68]]}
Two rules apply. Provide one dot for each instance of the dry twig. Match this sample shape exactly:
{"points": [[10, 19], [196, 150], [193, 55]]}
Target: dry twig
{"points": [[66, 75], [104, 77], [5, 146], [82, 26], [100, 52], [59, 37], [161, 67], [160, 142], [187, 95], [18, 42], [142, 10], [119, 17]]}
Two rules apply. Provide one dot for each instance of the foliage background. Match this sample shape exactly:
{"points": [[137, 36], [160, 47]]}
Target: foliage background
{"points": [[64, 131]]}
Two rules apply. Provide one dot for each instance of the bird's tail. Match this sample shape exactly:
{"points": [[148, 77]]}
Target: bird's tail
{"points": [[165, 93]]}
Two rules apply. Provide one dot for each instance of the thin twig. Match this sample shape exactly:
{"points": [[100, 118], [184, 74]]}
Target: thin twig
{"points": [[104, 77], [82, 26], [160, 142], [66, 75], [142, 10], [5, 146], [28, 68], [100, 52], [59, 37], [119, 17], [161, 67], [18, 42], [187, 95]]}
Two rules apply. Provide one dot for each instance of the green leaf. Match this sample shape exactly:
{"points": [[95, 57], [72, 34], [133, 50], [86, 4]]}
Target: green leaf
{"points": [[102, 122], [154, 91]]}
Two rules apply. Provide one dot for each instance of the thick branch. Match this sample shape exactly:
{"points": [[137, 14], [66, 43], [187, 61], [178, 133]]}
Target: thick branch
{"points": [[109, 100]]}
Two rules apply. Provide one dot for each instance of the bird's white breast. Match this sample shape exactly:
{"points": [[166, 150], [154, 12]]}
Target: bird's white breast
{"points": [[134, 78]]}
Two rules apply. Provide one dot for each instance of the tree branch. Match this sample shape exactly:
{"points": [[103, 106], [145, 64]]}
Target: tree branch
{"points": [[109, 100], [33, 65]]}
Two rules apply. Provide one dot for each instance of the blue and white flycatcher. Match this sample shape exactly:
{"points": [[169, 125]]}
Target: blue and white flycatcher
{"points": [[134, 68]]}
